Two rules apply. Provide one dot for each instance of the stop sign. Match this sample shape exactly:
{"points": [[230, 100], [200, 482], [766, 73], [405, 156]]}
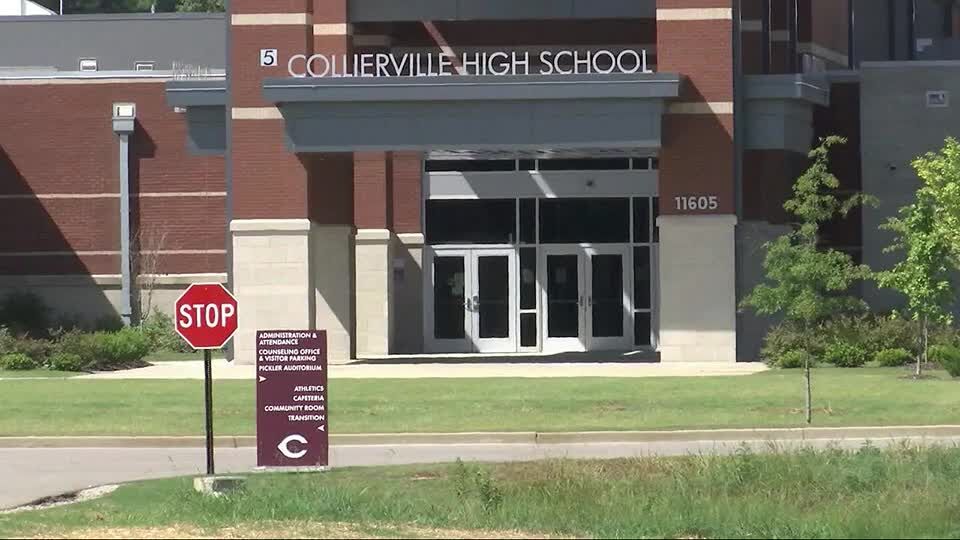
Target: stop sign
{"points": [[206, 315]]}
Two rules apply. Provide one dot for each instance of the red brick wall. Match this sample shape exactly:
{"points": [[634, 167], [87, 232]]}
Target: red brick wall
{"points": [[696, 158], [57, 140]]}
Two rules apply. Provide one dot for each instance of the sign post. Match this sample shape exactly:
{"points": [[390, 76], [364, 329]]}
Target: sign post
{"points": [[292, 428], [206, 318]]}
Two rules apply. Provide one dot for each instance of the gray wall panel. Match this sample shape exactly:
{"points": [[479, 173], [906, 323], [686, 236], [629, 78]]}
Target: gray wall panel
{"points": [[502, 124], [896, 128], [206, 130], [417, 10], [116, 41]]}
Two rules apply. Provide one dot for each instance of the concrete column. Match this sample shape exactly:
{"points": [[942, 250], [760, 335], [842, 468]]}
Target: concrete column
{"points": [[374, 291], [407, 301], [697, 288], [332, 251], [272, 279]]}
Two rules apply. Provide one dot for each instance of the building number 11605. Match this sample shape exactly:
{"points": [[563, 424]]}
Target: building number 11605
{"points": [[693, 202]]}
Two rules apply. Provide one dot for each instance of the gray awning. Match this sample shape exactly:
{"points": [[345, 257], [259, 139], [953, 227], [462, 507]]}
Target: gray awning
{"points": [[452, 10], [779, 110], [471, 112], [205, 104]]}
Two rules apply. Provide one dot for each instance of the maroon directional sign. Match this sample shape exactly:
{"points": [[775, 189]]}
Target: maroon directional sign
{"points": [[292, 398]]}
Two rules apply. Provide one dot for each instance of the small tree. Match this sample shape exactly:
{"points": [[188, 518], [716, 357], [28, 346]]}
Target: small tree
{"points": [[928, 231], [939, 174], [923, 276], [807, 284]]}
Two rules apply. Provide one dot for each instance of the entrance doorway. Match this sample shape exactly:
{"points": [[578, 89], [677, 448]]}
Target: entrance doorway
{"points": [[474, 300], [586, 298]]}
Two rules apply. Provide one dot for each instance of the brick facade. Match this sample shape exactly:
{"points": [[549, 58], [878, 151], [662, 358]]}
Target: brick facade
{"points": [[59, 182]]}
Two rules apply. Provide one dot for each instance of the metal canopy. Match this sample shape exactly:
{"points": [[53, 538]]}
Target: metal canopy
{"points": [[451, 10], [472, 112]]}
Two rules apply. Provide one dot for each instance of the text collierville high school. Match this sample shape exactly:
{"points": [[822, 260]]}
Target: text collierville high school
{"points": [[462, 177]]}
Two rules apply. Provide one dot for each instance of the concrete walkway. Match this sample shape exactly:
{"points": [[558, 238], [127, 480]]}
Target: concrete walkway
{"points": [[193, 369], [32, 473]]}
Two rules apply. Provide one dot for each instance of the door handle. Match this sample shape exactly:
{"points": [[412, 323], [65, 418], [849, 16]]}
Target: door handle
{"points": [[589, 301], [476, 303], [580, 302], [466, 304]]}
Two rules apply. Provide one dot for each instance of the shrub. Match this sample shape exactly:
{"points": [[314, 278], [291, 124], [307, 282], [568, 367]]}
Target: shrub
{"points": [[794, 359], [949, 359], [25, 313], [893, 357], [63, 361], [106, 350], [17, 362], [842, 354], [125, 348], [158, 328], [108, 323], [783, 339]]}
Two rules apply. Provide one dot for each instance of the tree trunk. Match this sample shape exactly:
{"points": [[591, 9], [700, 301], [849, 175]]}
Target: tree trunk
{"points": [[922, 359], [809, 400]]}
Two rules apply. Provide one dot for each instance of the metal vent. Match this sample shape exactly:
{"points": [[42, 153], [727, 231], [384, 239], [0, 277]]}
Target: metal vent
{"points": [[938, 99]]}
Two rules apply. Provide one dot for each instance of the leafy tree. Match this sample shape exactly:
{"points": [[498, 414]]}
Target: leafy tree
{"points": [[208, 6], [807, 284], [923, 276], [939, 174], [928, 231]]}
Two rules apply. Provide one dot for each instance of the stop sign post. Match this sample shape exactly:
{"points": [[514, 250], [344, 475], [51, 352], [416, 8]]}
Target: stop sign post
{"points": [[206, 318]]}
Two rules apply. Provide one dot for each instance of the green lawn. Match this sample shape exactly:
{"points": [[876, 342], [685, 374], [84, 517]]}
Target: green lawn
{"points": [[903, 493], [867, 396], [45, 373], [167, 356]]}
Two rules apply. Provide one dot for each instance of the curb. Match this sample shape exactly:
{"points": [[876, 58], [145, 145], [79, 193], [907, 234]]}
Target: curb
{"points": [[524, 437]]}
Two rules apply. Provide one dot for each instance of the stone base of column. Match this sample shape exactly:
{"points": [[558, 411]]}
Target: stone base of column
{"points": [[332, 253], [271, 279], [374, 259], [698, 289], [408, 294]]}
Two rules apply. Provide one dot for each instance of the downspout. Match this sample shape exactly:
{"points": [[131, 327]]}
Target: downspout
{"points": [[124, 121], [228, 161], [851, 34], [912, 34], [765, 35], [892, 29], [738, 134]]}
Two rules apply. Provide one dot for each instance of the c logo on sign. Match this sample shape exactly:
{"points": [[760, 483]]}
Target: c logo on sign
{"points": [[285, 449]]}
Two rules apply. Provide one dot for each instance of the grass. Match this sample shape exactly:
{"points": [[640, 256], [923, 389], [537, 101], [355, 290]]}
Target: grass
{"points": [[33, 373], [169, 356], [842, 397], [902, 493]]}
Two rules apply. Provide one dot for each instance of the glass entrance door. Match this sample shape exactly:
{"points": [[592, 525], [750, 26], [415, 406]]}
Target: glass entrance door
{"points": [[586, 298], [562, 281], [473, 301], [608, 298]]}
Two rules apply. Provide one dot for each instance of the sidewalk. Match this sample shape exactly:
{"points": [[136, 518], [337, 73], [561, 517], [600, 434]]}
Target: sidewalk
{"points": [[193, 369], [944, 433]]}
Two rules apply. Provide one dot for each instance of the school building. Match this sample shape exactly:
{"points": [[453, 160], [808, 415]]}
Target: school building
{"points": [[469, 176]]}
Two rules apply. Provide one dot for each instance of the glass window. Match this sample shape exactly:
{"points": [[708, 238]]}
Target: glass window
{"points": [[656, 214], [528, 278], [641, 277], [488, 221], [528, 329], [584, 164], [470, 165], [571, 221], [641, 329], [448, 298], [641, 220], [528, 221]]}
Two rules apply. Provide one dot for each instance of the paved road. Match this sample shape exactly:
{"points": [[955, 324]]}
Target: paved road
{"points": [[31, 473]]}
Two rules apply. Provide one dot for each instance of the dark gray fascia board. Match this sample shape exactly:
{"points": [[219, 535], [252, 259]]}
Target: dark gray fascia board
{"points": [[812, 89], [453, 10], [110, 17], [473, 88], [202, 93]]}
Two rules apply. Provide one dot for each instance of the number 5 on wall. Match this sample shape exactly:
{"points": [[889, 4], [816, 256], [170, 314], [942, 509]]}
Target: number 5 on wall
{"points": [[268, 57]]}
